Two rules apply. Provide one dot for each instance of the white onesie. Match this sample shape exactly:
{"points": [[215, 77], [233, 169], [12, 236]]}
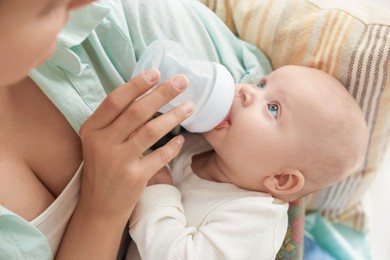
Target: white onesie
{"points": [[201, 219]]}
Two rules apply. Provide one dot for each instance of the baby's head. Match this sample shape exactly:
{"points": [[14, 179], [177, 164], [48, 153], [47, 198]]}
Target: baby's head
{"points": [[296, 132]]}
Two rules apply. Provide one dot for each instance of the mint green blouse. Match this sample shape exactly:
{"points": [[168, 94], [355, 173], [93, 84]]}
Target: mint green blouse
{"points": [[96, 53]]}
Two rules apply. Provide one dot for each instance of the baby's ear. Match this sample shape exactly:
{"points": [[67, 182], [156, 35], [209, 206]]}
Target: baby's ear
{"points": [[285, 182]]}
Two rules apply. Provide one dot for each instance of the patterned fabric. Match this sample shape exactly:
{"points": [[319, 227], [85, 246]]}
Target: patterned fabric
{"points": [[292, 247], [347, 39]]}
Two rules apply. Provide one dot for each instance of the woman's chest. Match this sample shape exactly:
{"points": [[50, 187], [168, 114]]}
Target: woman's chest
{"points": [[39, 151]]}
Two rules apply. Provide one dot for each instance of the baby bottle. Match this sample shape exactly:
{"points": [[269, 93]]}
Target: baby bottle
{"points": [[211, 86]]}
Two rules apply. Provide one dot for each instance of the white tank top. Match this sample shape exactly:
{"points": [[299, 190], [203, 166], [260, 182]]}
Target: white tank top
{"points": [[53, 221]]}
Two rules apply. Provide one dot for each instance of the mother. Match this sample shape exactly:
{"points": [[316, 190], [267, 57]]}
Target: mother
{"points": [[41, 155], [40, 152]]}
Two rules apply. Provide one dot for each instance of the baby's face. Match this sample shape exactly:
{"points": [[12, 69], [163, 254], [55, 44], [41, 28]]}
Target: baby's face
{"points": [[271, 126]]}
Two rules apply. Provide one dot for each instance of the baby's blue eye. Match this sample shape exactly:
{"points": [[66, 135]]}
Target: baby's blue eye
{"points": [[274, 109], [261, 84]]}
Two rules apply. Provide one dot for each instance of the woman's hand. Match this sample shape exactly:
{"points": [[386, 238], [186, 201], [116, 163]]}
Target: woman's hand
{"points": [[115, 171], [115, 137]]}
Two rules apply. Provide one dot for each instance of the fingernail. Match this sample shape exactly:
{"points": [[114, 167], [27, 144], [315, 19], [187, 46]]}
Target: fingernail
{"points": [[179, 140], [180, 82], [187, 107], [151, 75]]}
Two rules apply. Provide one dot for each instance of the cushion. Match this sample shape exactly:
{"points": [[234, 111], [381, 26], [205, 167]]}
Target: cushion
{"points": [[348, 39], [292, 247]]}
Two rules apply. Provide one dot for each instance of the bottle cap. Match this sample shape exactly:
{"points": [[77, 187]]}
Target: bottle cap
{"points": [[217, 105]]}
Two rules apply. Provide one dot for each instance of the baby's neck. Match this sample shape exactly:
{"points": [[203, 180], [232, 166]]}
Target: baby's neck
{"points": [[207, 166]]}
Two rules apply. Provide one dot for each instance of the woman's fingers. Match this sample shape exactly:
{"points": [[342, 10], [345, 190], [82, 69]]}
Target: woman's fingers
{"points": [[119, 99], [140, 111], [152, 131], [162, 156]]}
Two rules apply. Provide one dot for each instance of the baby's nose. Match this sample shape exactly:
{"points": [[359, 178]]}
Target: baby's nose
{"points": [[247, 95]]}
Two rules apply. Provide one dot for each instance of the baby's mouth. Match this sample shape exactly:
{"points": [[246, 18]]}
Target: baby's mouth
{"points": [[224, 123]]}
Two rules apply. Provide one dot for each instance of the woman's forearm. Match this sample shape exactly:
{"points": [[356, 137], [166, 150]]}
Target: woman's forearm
{"points": [[92, 236]]}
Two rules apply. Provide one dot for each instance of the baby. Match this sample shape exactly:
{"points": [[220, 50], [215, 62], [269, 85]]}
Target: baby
{"points": [[295, 132]]}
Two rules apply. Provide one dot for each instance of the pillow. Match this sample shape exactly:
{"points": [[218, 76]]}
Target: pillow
{"points": [[348, 39]]}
